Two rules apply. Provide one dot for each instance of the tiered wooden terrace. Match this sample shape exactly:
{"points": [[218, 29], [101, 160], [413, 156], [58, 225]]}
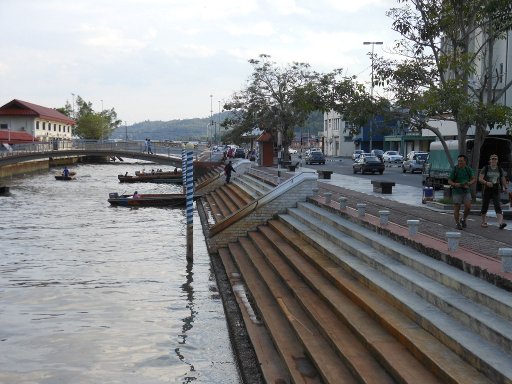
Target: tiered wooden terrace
{"points": [[338, 303]]}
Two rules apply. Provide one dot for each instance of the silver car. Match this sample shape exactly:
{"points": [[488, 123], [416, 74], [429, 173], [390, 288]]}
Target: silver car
{"points": [[414, 162]]}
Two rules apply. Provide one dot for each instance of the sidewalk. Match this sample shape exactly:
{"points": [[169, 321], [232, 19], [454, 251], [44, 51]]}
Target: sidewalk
{"points": [[405, 204]]}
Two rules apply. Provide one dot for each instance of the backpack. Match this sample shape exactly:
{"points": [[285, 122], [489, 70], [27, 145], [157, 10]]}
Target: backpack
{"points": [[500, 170]]}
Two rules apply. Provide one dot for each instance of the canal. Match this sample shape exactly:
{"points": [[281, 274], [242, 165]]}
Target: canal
{"points": [[97, 294]]}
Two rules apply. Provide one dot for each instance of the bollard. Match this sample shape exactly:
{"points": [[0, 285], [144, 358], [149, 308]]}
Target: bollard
{"points": [[384, 217], [361, 207], [343, 202], [506, 259], [413, 227], [453, 240], [327, 197]]}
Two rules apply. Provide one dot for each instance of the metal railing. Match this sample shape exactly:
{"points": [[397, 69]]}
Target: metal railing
{"points": [[158, 148]]}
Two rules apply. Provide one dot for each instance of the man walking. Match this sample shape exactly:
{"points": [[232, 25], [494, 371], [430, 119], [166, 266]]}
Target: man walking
{"points": [[227, 170], [461, 179]]}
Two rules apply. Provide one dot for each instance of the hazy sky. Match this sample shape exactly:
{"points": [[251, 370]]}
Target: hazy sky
{"points": [[162, 59]]}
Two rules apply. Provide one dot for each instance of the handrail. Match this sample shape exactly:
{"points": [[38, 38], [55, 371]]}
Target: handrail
{"points": [[265, 199]]}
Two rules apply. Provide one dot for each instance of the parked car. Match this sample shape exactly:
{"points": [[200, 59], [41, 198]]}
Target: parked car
{"points": [[240, 153], [378, 153], [315, 157], [356, 153], [392, 157], [414, 162], [366, 164]]}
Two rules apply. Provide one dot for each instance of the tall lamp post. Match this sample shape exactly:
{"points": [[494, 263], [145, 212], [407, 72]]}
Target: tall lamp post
{"points": [[373, 44], [211, 117]]}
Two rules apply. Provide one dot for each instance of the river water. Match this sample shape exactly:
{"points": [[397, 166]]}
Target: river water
{"points": [[91, 293]]}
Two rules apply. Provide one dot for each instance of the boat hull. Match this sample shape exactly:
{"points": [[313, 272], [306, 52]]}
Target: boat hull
{"points": [[148, 200]]}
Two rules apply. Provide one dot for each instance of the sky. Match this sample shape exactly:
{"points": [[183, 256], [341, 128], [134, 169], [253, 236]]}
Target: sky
{"points": [[162, 59]]}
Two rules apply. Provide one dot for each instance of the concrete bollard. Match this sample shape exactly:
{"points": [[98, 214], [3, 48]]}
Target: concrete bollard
{"points": [[453, 240], [343, 202], [413, 227], [506, 259], [361, 207], [327, 197], [384, 217]]}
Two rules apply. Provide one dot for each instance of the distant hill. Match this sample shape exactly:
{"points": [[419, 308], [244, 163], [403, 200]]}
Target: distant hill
{"points": [[194, 129]]}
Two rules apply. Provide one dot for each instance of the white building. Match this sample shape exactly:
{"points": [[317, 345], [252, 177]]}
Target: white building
{"points": [[44, 124], [337, 141]]}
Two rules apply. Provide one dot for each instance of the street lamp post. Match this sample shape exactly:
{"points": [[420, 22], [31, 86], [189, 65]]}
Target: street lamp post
{"points": [[372, 43], [211, 119]]}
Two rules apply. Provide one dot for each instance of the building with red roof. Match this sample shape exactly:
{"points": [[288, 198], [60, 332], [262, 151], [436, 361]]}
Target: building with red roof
{"points": [[21, 121]]}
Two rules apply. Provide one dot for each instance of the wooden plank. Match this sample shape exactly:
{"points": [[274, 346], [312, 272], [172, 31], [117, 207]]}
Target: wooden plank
{"points": [[328, 364], [271, 364], [285, 340], [351, 351]]}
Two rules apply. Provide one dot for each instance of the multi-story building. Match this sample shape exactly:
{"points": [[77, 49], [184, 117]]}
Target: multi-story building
{"points": [[42, 123]]}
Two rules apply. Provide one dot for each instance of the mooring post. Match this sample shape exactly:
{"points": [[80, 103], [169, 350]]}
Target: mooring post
{"points": [[188, 186]]}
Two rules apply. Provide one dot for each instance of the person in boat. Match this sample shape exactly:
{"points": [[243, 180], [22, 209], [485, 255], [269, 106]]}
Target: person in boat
{"points": [[175, 170], [136, 195], [65, 172]]}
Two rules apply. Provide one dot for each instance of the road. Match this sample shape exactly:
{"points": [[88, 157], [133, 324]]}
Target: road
{"points": [[391, 173]]}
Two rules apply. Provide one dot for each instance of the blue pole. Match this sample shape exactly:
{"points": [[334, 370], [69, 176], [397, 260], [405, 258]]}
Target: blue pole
{"points": [[190, 202]]}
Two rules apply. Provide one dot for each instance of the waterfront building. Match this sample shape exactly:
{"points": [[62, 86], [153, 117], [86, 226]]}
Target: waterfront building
{"points": [[19, 117]]}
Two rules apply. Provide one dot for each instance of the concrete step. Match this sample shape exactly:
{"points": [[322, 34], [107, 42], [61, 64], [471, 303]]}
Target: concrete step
{"points": [[482, 307], [252, 184], [230, 202], [211, 204], [367, 265], [328, 365]]}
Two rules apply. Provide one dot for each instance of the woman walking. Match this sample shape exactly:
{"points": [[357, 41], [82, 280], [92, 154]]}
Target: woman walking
{"points": [[493, 180]]}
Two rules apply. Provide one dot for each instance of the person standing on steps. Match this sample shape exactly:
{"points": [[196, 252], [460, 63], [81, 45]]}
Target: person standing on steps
{"points": [[227, 170], [461, 178], [492, 177]]}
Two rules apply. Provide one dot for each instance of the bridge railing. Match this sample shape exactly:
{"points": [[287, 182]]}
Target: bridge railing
{"points": [[160, 148]]}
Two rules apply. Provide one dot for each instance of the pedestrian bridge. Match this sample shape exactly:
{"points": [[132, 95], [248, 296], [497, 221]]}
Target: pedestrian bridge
{"points": [[163, 153]]}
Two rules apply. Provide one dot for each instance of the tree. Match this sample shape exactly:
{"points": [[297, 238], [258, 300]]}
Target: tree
{"points": [[276, 99], [90, 124], [350, 99], [447, 70]]}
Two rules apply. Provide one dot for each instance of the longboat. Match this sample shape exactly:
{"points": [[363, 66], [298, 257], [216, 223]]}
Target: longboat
{"points": [[174, 177], [148, 200]]}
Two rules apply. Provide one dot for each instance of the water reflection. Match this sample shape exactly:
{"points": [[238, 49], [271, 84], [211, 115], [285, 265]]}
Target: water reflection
{"points": [[188, 321], [94, 294]]}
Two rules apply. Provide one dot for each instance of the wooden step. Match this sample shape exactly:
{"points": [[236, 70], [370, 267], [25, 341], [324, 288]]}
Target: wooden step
{"points": [[271, 364], [344, 343], [330, 367], [243, 196], [220, 203], [435, 354], [214, 208], [289, 347], [231, 206]]}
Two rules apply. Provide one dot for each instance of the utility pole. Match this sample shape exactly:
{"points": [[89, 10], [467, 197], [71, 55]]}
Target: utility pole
{"points": [[372, 43]]}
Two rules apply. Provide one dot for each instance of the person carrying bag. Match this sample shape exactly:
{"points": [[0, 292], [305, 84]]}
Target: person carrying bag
{"points": [[493, 180]]}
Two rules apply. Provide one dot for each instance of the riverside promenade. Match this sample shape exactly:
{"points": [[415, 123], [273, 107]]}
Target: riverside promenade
{"points": [[405, 204]]}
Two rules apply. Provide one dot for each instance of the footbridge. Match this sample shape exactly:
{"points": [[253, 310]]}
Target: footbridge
{"points": [[163, 153]]}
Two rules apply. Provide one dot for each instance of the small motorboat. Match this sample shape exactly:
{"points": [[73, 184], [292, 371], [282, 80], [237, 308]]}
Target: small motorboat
{"points": [[70, 176], [148, 200]]}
